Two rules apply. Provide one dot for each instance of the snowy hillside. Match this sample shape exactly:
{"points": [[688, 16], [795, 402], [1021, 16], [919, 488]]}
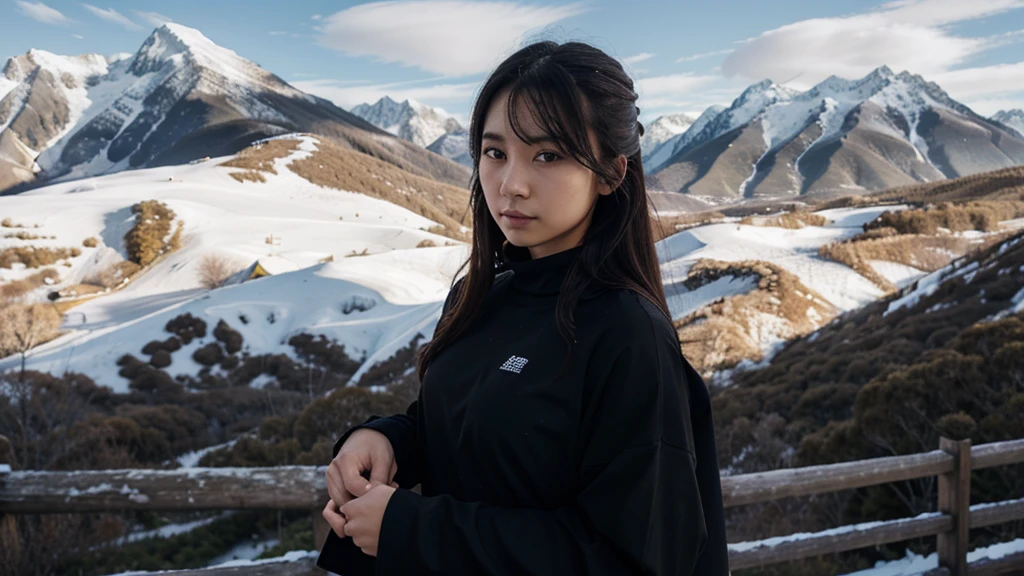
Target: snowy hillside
{"points": [[409, 120], [880, 131], [399, 285]]}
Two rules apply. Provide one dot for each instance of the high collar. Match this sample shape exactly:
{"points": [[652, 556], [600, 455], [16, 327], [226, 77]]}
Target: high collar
{"points": [[542, 276]]}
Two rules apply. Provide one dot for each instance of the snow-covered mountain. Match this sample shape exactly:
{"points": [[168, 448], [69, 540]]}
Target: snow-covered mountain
{"points": [[409, 120], [180, 97], [1013, 118], [663, 128], [840, 136], [657, 155], [454, 146]]}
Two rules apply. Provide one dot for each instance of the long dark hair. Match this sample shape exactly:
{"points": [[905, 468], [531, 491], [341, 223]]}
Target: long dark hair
{"points": [[568, 88]]}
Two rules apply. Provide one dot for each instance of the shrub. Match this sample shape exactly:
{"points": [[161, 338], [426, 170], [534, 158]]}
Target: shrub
{"points": [[113, 275], [152, 346], [231, 338], [214, 270], [161, 359], [33, 257], [209, 355], [426, 243], [148, 238], [186, 327], [90, 242]]}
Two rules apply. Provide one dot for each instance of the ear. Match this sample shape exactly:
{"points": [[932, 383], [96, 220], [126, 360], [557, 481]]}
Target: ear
{"points": [[604, 187]]}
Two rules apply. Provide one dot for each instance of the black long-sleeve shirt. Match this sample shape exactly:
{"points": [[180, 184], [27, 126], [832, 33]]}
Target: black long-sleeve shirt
{"points": [[608, 469]]}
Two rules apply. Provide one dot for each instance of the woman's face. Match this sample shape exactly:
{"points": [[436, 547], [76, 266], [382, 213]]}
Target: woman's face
{"points": [[541, 199]]}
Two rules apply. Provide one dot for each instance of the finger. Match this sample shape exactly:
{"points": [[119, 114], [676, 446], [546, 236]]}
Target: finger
{"points": [[335, 520], [381, 472], [394, 484], [351, 473], [335, 485]]}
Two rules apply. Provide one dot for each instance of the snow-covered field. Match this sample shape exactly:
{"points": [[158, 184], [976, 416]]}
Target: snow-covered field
{"points": [[403, 284], [793, 250]]}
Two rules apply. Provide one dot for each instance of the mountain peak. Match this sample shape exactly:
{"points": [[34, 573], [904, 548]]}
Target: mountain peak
{"points": [[173, 44]]}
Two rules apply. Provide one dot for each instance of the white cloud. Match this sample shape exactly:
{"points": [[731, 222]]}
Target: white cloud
{"points": [[154, 19], [111, 15], [315, 17], [43, 13], [905, 35], [349, 94], [671, 91], [984, 82], [637, 58], [940, 12], [450, 37], [704, 55], [78, 36]]}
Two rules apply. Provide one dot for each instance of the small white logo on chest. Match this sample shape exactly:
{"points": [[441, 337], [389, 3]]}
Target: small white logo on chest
{"points": [[514, 364]]}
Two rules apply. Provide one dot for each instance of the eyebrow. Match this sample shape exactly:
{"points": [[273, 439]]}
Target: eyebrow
{"points": [[499, 138]]}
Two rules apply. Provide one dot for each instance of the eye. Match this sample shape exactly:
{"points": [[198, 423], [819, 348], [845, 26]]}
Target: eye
{"points": [[496, 151], [551, 155]]}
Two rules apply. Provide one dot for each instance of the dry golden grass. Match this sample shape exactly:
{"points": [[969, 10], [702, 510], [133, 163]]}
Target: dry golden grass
{"points": [[789, 220], [33, 257], [928, 253], [724, 333], [1005, 184], [335, 167], [18, 288], [983, 216], [259, 158], [663, 226]]}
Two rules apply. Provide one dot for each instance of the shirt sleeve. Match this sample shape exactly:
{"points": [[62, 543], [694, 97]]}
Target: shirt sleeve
{"points": [[401, 429], [637, 509]]}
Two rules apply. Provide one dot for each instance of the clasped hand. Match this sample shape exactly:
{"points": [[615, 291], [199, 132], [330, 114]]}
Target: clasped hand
{"points": [[356, 507]]}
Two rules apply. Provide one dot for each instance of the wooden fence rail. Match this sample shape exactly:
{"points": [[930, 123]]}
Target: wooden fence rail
{"points": [[304, 487]]}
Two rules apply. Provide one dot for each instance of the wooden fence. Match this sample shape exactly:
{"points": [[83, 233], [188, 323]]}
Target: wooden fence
{"points": [[304, 488]]}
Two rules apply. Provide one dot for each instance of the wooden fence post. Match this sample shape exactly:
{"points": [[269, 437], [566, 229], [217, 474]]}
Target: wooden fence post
{"points": [[955, 500]]}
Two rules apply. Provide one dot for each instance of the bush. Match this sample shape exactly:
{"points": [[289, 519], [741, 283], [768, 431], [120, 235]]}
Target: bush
{"points": [[149, 237], [33, 257], [113, 275], [161, 359], [214, 270], [209, 355], [90, 242], [186, 327], [231, 338], [426, 243]]}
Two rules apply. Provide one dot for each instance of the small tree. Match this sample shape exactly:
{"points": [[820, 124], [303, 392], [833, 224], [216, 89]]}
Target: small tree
{"points": [[214, 270], [24, 326]]}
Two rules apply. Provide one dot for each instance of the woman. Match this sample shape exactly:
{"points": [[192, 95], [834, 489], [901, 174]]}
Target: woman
{"points": [[558, 428]]}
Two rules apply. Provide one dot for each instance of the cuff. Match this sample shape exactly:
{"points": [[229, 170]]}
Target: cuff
{"points": [[396, 550]]}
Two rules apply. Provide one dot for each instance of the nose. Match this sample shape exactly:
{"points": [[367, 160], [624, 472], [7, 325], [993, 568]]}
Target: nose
{"points": [[515, 181]]}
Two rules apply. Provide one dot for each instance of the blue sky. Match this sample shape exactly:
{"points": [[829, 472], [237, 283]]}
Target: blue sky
{"points": [[684, 55]]}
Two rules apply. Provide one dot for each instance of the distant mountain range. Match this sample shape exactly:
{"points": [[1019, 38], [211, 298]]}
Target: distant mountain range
{"points": [[409, 120], [180, 97], [839, 137], [1012, 118]]}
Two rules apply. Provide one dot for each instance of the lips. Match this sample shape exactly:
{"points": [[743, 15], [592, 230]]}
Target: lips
{"points": [[516, 214]]}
